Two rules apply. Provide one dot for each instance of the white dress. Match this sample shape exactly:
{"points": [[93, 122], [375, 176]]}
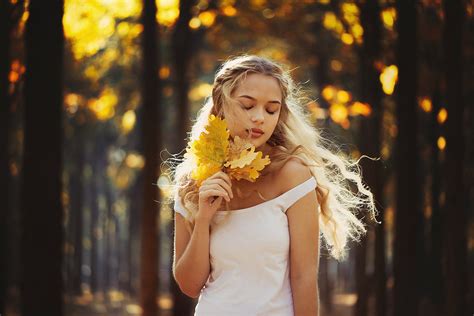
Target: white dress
{"points": [[249, 257]]}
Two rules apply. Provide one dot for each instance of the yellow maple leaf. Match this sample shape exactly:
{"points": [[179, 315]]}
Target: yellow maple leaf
{"points": [[209, 151], [213, 151], [249, 171], [236, 147]]}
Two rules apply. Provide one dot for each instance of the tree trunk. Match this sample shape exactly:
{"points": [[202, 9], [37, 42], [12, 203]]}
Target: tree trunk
{"points": [[362, 285], [94, 221], [182, 48], [77, 208], [5, 27], [41, 281], [456, 222], [408, 195], [436, 278], [152, 145], [371, 133]]}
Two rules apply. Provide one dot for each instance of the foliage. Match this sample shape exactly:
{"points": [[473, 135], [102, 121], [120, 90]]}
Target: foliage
{"points": [[214, 151]]}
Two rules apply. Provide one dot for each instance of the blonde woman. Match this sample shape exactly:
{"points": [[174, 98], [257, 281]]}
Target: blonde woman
{"points": [[252, 248]]}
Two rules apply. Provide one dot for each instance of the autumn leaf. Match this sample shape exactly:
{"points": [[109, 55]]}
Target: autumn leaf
{"points": [[209, 151], [236, 146], [214, 151], [251, 171]]}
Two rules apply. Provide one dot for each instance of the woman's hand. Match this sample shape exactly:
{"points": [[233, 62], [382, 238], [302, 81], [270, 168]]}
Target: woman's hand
{"points": [[211, 193]]}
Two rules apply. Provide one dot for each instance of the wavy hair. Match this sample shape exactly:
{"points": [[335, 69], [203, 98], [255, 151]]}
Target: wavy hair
{"points": [[337, 175]]}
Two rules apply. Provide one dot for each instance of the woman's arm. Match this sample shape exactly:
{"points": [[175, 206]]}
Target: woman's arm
{"points": [[303, 221], [191, 265]]}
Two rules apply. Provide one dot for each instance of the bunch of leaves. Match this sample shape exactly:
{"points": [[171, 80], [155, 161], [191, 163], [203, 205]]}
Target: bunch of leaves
{"points": [[214, 151]]}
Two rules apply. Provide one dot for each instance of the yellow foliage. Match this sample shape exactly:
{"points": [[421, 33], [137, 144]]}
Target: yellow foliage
{"points": [[88, 25], [350, 12], [359, 108], [343, 96], [249, 171], [336, 65], [128, 121], [135, 161], [441, 143], [357, 31], [213, 151], [209, 151], [442, 115], [229, 10], [200, 91], [168, 11], [389, 16], [388, 78], [425, 104], [347, 38], [338, 112], [104, 106], [207, 18], [164, 72], [328, 92], [330, 20], [194, 23]]}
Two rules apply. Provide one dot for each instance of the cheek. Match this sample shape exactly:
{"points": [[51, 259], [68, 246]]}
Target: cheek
{"points": [[274, 122], [234, 129]]}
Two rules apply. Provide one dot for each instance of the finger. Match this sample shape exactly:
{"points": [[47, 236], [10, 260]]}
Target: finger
{"points": [[218, 184], [221, 175], [217, 201], [223, 184], [214, 192]]}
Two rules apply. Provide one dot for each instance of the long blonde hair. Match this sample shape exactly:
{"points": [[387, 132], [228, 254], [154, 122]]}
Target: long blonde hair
{"points": [[295, 136]]}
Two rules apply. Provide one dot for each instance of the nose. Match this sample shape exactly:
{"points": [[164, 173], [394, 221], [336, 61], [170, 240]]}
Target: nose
{"points": [[257, 116]]}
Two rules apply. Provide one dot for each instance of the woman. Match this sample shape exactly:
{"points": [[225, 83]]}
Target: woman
{"points": [[252, 248]]}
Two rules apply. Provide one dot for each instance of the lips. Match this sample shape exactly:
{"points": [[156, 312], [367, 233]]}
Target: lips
{"points": [[257, 131]]}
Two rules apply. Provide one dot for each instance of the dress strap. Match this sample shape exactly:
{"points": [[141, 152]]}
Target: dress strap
{"points": [[178, 207], [290, 197]]}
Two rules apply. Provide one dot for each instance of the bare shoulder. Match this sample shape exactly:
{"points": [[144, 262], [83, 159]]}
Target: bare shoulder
{"points": [[292, 173]]}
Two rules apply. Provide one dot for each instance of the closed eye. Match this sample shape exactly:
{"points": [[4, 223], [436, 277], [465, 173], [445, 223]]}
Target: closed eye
{"points": [[250, 107]]}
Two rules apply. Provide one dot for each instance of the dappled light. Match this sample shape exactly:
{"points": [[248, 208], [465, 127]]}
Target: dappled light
{"points": [[100, 123], [388, 78]]}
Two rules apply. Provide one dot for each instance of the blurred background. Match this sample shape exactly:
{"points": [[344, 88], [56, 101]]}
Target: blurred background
{"points": [[95, 95]]}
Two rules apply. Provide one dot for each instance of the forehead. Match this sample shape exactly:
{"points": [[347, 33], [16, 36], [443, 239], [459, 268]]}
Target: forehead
{"points": [[260, 87]]}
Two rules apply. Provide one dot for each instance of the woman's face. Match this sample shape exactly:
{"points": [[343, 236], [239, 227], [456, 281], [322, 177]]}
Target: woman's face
{"points": [[259, 101]]}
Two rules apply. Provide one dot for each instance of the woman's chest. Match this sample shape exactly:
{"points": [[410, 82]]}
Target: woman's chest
{"points": [[245, 235], [247, 194]]}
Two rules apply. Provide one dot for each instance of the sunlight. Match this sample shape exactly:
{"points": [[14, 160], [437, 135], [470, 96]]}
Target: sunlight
{"points": [[360, 108], [442, 115], [389, 16], [425, 104], [441, 143], [167, 12], [104, 106], [388, 78], [128, 121]]}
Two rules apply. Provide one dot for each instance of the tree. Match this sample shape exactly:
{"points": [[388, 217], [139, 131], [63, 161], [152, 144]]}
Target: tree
{"points": [[152, 145], [408, 178], [456, 210], [5, 27], [41, 244], [371, 133], [182, 40]]}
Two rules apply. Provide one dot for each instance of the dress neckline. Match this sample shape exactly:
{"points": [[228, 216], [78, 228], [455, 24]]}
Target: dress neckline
{"points": [[246, 209]]}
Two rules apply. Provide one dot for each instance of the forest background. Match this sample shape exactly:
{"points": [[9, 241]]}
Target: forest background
{"points": [[95, 95]]}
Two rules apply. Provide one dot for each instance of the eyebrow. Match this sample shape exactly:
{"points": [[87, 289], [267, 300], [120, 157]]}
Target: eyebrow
{"points": [[251, 98]]}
